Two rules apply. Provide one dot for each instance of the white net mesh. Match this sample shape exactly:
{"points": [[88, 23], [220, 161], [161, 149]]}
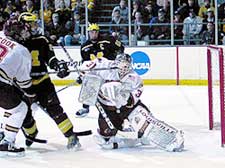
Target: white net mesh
{"points": [[215, 72]]}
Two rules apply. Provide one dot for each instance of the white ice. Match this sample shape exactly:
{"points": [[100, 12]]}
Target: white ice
{"points": [[185, 107]]}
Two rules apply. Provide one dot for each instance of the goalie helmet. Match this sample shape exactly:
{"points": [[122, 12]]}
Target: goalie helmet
{"points": [[124, 64], [16, 30]]}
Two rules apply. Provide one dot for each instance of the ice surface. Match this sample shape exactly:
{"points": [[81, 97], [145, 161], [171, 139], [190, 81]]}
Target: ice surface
{"points": [[185, 107]]}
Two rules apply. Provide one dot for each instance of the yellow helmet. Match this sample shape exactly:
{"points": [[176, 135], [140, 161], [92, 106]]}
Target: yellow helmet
{"points": [[93, 26], [27, 17]]}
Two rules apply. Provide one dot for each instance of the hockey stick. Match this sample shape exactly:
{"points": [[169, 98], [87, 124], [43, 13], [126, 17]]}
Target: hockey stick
{"points": [[66, 52], [132, 135], [74, 70], [82, 133], [32, 138]]}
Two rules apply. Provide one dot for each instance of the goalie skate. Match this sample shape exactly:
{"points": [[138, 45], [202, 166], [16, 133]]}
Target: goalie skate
{"points": [[89, 89]]}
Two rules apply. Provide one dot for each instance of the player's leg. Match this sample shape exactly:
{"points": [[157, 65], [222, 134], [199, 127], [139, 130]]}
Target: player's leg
{"points": [[49, 100], [30, 127], [15, 112]]}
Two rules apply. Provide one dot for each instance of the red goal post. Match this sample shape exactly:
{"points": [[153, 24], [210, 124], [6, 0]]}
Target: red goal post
{"points": [[215, 58]]}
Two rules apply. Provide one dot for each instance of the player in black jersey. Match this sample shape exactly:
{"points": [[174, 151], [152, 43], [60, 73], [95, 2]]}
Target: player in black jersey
{"points": [[43, 56], [97, 47]]}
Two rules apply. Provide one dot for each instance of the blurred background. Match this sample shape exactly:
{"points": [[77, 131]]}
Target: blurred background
{"points": [[134, 22]]}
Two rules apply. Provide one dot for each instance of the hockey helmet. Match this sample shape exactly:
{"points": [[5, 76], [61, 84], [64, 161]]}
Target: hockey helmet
{"points": [[30, 19], [27, 17], [93, 27], [124, 64], [16, 30]]}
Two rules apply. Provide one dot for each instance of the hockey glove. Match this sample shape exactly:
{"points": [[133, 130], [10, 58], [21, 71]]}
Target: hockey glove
{"points": [[79, 80], [62, 68]]}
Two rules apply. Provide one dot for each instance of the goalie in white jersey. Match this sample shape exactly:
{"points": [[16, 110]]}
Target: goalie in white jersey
{"points": [[124, 121], [15, 67]]}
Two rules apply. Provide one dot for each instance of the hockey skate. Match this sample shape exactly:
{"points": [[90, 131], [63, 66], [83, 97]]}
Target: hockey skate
{"points": [[82, 112], [73, 142], [9, 149]]}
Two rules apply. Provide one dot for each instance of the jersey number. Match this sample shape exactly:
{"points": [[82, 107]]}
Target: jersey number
{"points": [[98, 55], [3, 52], [35, 60]]}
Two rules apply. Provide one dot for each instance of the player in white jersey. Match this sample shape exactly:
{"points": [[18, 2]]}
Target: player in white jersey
{"points": [[15, 68], [124, 121]]}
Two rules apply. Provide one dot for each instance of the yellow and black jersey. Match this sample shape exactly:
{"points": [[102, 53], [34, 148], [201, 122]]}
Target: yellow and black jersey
{"points": [[42, 54], [107, 47]]}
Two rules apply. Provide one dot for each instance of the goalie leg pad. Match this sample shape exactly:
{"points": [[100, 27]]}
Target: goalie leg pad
{"points": [[157, 132]]}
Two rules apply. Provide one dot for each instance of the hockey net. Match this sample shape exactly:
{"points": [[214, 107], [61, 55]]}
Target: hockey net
{"points": [[216, 71]]}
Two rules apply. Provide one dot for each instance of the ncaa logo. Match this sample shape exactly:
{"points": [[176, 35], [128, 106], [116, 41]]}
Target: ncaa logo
{"points": [[141, 62]]}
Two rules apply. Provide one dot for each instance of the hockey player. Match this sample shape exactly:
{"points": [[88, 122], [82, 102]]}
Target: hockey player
{"points": [[15, 68], [96, 47], [124, 121], [43, 56]]}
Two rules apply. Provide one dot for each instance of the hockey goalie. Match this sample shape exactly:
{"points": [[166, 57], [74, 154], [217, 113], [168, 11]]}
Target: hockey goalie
{"points": [[124, 121]]}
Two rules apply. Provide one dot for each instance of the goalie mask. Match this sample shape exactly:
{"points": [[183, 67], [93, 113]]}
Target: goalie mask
{"points": [[124, 64]]}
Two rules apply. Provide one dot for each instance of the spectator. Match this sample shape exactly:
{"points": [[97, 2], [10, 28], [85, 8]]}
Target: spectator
{"points": [[208, 36], [149, 11], [64, 12], [140, 31], [29, 7], [59, 2], [55, 30], [123, 10], [137, 7], [4, 16], [178, 28], [210, 18], [10, 8], [75, 37], [203, 9], [155, 7], [119, 32], [186, 7], [192, 28], [159, 30]]}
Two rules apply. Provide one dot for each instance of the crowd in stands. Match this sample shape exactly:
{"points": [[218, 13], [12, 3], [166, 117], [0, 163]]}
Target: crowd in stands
{"points": [[194, 20]]}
